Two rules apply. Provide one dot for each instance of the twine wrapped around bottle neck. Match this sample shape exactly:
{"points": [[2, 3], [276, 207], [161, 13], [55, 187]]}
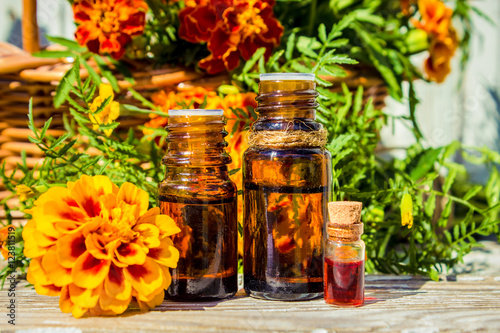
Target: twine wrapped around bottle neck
{"points": [[287, 138]]}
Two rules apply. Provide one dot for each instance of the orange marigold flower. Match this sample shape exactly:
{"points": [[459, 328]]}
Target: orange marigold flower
{"points": [[187, 98], [99, 248], [4, 241], [435, 18], [233, 29], [437, 66], [107, 26]]}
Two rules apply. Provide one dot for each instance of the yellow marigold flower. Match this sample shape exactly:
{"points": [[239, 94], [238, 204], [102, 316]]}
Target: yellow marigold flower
{"points": [[99, 248], [407, 211], [110, 112], [24, 192]]}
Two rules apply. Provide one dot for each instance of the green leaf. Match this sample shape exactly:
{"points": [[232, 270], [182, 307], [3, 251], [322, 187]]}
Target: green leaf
{"points": [[322, 33], [425, 163], [472, 192], [70, 44], [290, 45], [53, 54], [456, 231], [448, 236], [299, 67], [341, 25], [273, 59], [134, 108], [306, 45], [103, 105], [449, 180], [106, 72], [45, 127], [65, 85], [337, 43], [434, 275], [234, 171], [430, 205], [67, 147], [253, 60], [92, 73]]}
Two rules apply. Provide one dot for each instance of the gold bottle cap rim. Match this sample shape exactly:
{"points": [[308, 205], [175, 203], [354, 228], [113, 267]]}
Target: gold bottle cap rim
{"points": [[287, 76], [195, 112]]}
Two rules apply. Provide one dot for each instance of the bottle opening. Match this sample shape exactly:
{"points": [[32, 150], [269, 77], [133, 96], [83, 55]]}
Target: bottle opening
{"points": [[287, 76], [195, 112]]}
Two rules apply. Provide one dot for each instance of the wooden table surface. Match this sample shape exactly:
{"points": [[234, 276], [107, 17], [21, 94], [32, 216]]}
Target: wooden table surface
{"points": [[394, 304]]}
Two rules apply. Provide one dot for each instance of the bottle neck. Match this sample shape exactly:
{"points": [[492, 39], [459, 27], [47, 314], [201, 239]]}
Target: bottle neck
{"points": [[287, 100], [192, 173], [344, 239], [196, 141], [344, 232]]}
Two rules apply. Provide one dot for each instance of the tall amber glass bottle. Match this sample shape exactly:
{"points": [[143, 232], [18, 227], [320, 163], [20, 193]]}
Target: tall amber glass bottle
{"points": [[287, 173], [198, 194]]}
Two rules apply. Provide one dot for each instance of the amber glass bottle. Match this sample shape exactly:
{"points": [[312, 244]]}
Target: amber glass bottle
{"points": [[286, 173], [198, 194]]}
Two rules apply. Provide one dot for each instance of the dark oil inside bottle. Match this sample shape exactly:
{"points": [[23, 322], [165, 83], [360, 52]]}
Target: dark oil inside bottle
{"points": [[207, 267], [344, 282], [286, 236]]}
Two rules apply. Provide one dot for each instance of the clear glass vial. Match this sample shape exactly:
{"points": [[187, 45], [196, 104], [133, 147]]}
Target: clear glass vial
{"points": [[198, 194], [344, 267], [286, 175]]}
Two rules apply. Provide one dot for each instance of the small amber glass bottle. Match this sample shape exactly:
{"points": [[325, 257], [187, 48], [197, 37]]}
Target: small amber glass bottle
{"points": [[198, 194], [344, 255], [286, 173]]}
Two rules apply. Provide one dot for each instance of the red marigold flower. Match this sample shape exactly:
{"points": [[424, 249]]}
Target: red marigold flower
{"points": [[233, 29], [107, 26]]}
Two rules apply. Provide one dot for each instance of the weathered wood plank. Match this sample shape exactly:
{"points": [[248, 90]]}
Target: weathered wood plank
{"points": [[394, 304]]}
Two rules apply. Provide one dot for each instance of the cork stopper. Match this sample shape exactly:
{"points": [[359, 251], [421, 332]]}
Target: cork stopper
{"points": [[345, 212], [345, 220]]}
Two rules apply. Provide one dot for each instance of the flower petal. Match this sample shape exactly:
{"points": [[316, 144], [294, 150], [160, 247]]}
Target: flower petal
{"points": [[166, 254], [150, 234], [130, 254], [70, 248], [166, 225], [116, 285], [145, 279], [87, 191], [57, 273], [132, 195], [83, 297], [47, 290], [89, 272], [114, 305], [36, 274], [31, 236]]}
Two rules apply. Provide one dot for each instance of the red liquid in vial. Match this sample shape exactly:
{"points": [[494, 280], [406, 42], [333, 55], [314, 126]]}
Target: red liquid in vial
{"points": [[344, 282]]}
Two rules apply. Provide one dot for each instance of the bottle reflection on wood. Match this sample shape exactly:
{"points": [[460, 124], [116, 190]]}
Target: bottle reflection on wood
{"points": [[198, 194], [286, 188]]}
